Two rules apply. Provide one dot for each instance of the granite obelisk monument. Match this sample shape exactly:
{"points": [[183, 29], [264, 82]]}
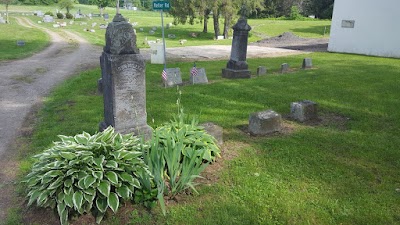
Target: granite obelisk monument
{"points": [[237, 66]]}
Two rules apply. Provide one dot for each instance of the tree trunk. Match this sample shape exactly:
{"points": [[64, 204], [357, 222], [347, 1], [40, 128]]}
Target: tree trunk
{"points": [[205, 21], [227, 25], [7, 21], [101, 11], [216, 23]]}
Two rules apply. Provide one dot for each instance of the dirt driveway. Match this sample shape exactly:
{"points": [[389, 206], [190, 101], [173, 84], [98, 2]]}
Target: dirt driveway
{"points": [[24, 83]]}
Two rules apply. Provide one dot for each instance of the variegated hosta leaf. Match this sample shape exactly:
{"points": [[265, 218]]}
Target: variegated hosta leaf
{"points": [[104, 188], [113, 201], [101, 204], [77, 199], [112, 177]]}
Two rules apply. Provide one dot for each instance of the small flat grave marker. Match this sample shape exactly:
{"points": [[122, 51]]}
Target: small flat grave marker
{"points": [[174, 77], [199, 78], [20, 43]]}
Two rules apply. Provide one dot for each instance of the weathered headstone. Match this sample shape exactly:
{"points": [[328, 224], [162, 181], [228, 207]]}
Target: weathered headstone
{"points": [[265, 122], [154, 28], [106, 16], [307, 63], [284, 68], [123, 78], [237, 66], [20, 43], [2, 20], [48, 19], [151, 32], [261, 70], [199, 78], [214, 130], [303, 110], [174, 77], [172, 36], [94, 24]]}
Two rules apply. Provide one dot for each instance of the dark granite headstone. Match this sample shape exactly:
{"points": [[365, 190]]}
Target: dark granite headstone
{"points": [[123, 81], [265, 122], [237, 66], [303, 110]]}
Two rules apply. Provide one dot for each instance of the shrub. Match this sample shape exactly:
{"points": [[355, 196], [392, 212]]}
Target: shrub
{"points": [[87, 173], [49, 13], [295, 13], [60, 15], [69, 16]]}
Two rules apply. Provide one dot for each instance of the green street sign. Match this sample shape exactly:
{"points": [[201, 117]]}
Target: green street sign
{"points": [[161, 5]]}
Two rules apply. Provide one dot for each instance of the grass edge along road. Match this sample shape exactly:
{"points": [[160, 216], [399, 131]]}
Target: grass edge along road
{"points": [[344, 171]]}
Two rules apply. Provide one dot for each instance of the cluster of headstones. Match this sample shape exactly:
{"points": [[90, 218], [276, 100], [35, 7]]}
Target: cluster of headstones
{"points": [[267, 122], [307, 64], [174, 78]]}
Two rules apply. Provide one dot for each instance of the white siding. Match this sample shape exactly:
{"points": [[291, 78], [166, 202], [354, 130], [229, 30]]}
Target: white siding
{"points": [[376, 27]]}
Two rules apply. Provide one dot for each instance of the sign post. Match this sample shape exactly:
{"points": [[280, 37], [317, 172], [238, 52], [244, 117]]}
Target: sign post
{"points": [[162, 5]]}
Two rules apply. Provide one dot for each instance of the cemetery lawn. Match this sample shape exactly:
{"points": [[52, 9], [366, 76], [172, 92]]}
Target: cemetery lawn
{"points": [[35, 40], [343, 170], [261, 28]]}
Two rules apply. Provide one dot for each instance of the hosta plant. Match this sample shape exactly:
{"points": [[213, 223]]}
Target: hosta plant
{"points": [[87, 173]]}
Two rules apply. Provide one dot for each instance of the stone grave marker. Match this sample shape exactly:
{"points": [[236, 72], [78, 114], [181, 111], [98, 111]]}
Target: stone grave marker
{"points": [[261, 70], [237, 66], [2, 20], [214, 130], [106, 16], [48, 19], [20, 43], [169, 25], [39, 13], [141, 29], [284, 68], [103, 26], [172, 36], [174, 77], [307, 63], [154, 28], [198, 78], [123, 81], [303, 110], [56, 25], [94, 24], [151, 32], [265, 122]]}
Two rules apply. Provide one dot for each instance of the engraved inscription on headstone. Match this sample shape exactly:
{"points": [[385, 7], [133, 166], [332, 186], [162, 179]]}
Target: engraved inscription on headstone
{"points": [[123, 81], [199, 78]]}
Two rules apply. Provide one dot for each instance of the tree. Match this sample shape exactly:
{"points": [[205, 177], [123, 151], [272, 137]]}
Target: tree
{"points": [[7, 3], [66, 4], [320, 8], [100, 4]]}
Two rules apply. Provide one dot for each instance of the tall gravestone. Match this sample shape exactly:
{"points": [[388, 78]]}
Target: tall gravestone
{"points": [[123, 80], [237, 66]]}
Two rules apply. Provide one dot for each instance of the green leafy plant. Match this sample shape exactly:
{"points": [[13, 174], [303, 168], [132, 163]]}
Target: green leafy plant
{"points": [[60, 15], [179, 151], [69, 16], [49, 13], [87, 173]]}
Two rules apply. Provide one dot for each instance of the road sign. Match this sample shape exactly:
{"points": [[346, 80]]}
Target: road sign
{"points": [[161, 5]]}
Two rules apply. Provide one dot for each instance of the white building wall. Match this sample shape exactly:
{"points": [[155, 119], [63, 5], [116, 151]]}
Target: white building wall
{"points": [[376, 27]]}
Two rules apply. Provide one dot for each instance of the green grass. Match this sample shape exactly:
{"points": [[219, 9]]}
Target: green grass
{"points": [[35, 40], [313, 175], [262, 28]]}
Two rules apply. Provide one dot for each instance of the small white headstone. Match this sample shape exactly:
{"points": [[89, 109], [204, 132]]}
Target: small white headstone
{"points": [[48, 19], [94, 24], [220, 37], [103, 26], [92, 30], [56, 25]]}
